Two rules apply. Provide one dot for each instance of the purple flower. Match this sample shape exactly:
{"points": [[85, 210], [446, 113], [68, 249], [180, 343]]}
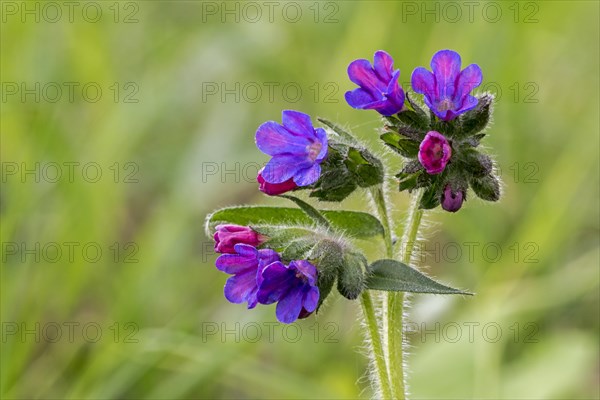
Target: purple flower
{"points": [[274, 189], [227, 236], [434, 152], [244, 265], [296, 147], [452, 199], [294, 287], [447, 89], [379, 89]]}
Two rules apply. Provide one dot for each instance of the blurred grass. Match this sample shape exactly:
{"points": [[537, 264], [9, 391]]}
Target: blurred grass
{"points": [[173, 133]]}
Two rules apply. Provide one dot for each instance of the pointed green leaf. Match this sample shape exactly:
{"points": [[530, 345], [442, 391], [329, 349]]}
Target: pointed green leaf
{"points": [[486, 187], [475, 140], [312, 212], [431, 195], [394, 276], [298, 249], [405, 147], [476, 163], [278, 237], [413, 119], [475, 120], [408, 182], [330, 255], [449, 129], [366, 168], [351, 275], [352, 223], [417, 108], [335, 194], [344, 135], [325, 284]]}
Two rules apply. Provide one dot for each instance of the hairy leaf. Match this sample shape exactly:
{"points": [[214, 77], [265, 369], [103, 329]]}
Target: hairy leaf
{"points": [[394, 276], [353, 224]]}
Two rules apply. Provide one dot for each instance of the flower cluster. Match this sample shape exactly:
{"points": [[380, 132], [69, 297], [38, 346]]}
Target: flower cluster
{"points": [[269, 262], [440, 146], [259, 276]]}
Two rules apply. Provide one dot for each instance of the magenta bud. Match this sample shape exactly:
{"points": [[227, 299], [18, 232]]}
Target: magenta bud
{"points": [[434, 152], [452, 199], [273, 189], [227, 236], [304, 313]]}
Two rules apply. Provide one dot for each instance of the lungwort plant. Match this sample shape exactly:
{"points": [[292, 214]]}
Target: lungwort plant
{"points": [[295, 256]]}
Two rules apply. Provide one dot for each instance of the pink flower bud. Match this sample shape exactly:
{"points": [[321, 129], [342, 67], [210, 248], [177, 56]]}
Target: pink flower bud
{"points": [[273, 189], [228, 236], [452, 199], [434, 152]]}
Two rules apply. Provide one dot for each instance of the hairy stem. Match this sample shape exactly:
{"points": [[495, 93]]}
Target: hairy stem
{"points": [[392, 321], [395, 303], [381, 372], [411, 230], [380, 202]]}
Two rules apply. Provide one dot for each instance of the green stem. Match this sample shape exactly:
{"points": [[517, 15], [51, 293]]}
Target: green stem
{"points": [[379, 199], [411, 230], [380, 203], [395, 304], [376, 345], [390, 329], [392, 324]]}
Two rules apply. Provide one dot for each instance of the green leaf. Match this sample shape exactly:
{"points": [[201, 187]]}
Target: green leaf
{"points": [[486, 188], [417, 108], [325, 284], [475, 140], [394, 276], [330, 255], [366, 168], [353, 224], [336, 182], [351, 275], [298, 249], [405, 147], [280, 236], [431, 195], [476, 163], [337, 193], [312, 212], [344, 135], [411, 167], [476, 120], [447, 128], [411, 133], [408, 182], [414, 119]]}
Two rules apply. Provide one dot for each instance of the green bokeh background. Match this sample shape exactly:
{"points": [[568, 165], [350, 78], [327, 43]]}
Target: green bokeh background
{"points": [[179, 140]]}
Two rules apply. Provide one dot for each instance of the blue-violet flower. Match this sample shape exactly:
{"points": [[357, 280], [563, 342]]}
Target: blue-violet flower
{"points": [[379, 89], [447, 89], [245, 265], [296, 147], [294, 287], [434, 152]]}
